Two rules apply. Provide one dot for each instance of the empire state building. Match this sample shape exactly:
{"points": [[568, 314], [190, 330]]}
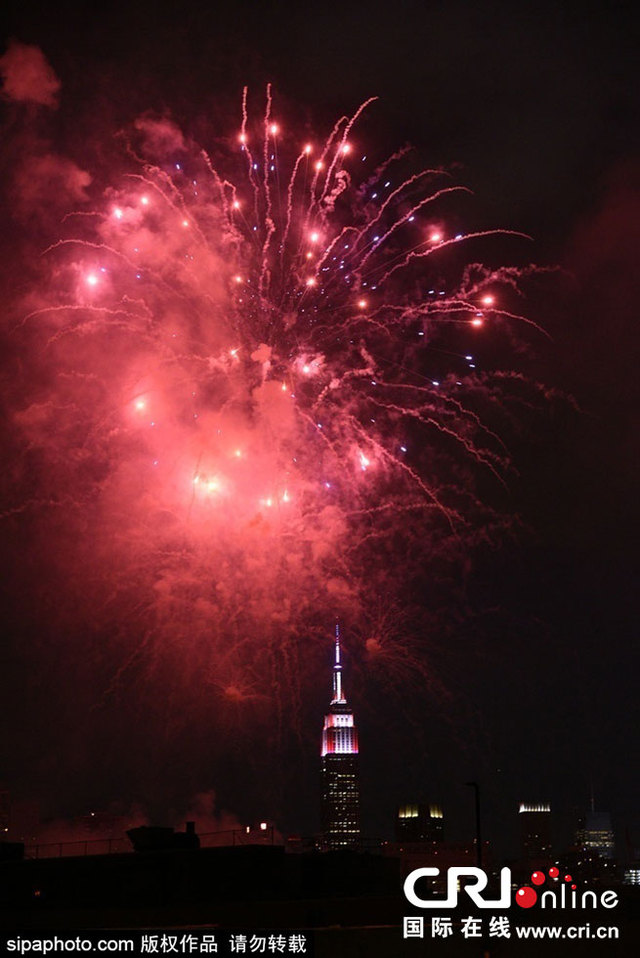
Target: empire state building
{"points": [[340, 784]]}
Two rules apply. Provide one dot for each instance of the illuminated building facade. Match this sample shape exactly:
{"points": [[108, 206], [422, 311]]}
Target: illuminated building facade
{"points": [[340, 779], [421, 822], [535, 831]]}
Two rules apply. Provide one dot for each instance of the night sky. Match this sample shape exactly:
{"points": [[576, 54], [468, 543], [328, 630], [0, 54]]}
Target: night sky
{"points": [[533, 658]]}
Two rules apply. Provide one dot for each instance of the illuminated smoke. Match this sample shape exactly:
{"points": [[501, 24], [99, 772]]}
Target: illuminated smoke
{"points": [[27, 76], [251, 405]]}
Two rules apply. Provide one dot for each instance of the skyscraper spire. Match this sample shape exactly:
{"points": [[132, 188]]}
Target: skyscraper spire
{"points": [[338, 695]]}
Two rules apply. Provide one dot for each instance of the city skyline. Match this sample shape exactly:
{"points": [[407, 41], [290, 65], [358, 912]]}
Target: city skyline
{"points": [[419, 824]]}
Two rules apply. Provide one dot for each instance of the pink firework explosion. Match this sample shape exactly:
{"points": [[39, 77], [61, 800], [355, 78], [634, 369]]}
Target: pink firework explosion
{"points": [[249, 403]]}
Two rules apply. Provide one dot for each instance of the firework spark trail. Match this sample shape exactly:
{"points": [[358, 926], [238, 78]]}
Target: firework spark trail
{"points": [[405, 259], [460, 408], [239, 399], [245, 146], [303, 155], [268, 216], [406, 217], [343, 147]]}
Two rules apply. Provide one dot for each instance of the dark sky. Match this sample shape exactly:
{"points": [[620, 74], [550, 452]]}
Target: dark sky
{"points": [[536, 105]]}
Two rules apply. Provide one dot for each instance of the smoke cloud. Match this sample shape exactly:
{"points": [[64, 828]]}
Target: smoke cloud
{"points": [[28, 77]]}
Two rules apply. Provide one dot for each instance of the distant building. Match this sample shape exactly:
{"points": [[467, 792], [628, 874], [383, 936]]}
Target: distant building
{"points": [[147, 838], [535, 831], [421, 822], [340, 778], [597, 834]]}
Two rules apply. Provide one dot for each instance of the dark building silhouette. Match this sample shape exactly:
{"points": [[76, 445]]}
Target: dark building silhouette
{"points": [[597, 834], [147, 838], [421, 822], [253, 886], [5, 814], [340, 779], [535, 831]]}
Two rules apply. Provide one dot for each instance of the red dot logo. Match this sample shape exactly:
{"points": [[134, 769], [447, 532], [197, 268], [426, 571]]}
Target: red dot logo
{"points": [[526, 897], [553, 872], [538, 878], [574, 887], [568, 878]]}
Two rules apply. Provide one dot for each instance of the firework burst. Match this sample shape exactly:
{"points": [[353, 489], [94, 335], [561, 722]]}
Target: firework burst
{"points": [[254, 405]]}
